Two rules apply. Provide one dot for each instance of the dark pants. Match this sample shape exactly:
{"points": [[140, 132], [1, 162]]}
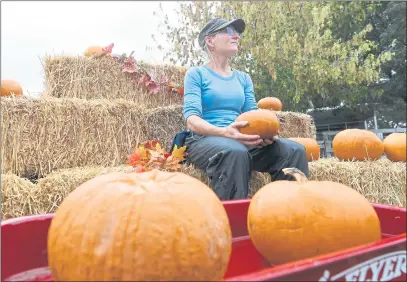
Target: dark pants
{"points": [[228, 163]]}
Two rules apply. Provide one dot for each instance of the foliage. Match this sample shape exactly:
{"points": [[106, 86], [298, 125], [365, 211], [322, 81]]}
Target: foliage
{"points": [[151, 155], [389, 21], [292, 50]]}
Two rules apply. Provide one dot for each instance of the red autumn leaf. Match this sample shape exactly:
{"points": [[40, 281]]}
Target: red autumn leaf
{"points": [[108, 49], [151, 81], [116, 57], [151, 144], [151, 155], [129, 68], [130, 60], [153, 88], [145, 79], [135, 159], [180, 91]]}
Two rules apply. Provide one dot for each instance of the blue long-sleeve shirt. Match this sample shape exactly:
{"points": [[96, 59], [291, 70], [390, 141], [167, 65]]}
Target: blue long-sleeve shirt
{"points": [[216, 99]]}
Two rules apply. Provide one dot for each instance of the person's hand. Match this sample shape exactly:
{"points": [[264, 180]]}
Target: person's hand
{"points": [[232, 131], [269, 141]]}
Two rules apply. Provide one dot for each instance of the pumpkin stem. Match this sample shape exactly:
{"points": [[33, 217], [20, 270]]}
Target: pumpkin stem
{"points": [[298, 175]]}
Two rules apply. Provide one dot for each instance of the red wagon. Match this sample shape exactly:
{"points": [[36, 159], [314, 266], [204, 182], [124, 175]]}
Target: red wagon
{"points": [[24, 252]]}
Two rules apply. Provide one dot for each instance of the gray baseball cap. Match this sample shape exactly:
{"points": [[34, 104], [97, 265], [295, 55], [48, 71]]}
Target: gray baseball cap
{"points": [[218, 24]]}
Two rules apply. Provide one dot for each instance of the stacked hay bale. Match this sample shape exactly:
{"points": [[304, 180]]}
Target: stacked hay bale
{"points": [[91, 113], [103, 78]]}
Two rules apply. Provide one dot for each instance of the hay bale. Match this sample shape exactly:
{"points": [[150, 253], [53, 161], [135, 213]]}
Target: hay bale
{"points": [[296, 125], [174, 74], [163, 123], [380, 181], [19, 197], [103, 78], [42, 135], [58, 184]]}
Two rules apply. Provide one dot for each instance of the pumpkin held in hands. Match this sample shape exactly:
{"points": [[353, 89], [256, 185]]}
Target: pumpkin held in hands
{"points": [[358, 144], [311, 148], [260, 122], [294, 220], [149, 226], [9, 87], [270, 103]]}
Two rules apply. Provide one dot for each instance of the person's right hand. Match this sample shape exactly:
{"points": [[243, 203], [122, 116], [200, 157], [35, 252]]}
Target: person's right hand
{"points": [[232, 131]]}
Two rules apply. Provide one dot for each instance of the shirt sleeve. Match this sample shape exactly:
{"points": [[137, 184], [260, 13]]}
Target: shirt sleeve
{"points": [[192, 93], [250, 100]]}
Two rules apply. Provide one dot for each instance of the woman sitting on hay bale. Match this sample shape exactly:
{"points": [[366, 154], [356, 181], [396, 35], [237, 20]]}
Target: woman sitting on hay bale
{"points": [[214, 96]]}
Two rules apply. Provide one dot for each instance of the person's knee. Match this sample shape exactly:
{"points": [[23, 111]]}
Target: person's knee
{"points": [[296, 151], [299, 150], [299, 158]]}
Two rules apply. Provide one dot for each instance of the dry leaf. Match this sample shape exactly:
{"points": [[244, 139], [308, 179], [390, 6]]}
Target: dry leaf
{"points": [[179, 153], [151, 155], [172, 163]]}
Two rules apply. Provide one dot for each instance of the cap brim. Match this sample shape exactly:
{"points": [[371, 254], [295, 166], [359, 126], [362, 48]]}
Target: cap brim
{"points": [[238, 24]]}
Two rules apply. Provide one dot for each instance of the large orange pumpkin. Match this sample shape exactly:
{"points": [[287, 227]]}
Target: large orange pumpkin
{"points": [[294, 220], [9, 87], [395, 147], [93, 51], [358, 144], [311, 147], [270, 103], [148, 226], [260, 122]]}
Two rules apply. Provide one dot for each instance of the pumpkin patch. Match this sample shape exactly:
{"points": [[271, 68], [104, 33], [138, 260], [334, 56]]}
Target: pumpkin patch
{"points": [[148, 226], [293, 220]]}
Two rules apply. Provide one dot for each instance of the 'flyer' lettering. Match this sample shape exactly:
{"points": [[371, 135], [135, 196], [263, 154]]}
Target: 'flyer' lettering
{"points": [[381, 268]]}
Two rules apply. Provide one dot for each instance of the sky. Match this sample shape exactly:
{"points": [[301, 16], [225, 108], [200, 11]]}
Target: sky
{"points": [[30, 30]]}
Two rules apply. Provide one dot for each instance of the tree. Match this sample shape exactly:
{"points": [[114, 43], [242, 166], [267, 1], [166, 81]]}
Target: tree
{"points": [[289, 48]]}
